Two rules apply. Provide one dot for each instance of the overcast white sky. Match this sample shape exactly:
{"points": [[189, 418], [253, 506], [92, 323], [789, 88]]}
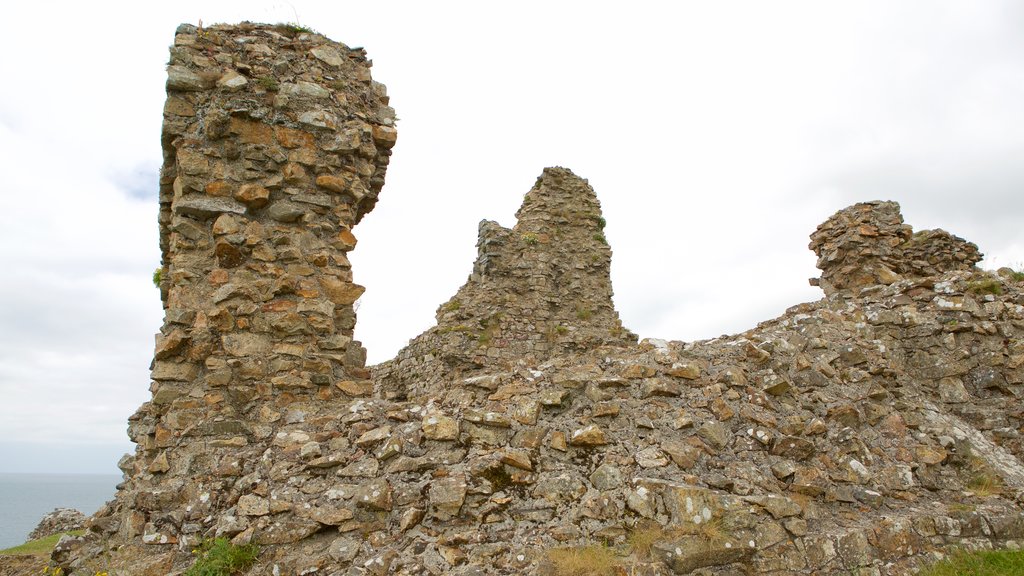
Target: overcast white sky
{"points": [[717, 135]]}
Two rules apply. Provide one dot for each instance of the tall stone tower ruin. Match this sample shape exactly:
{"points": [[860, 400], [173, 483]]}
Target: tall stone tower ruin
{"points": [[275, 144]]}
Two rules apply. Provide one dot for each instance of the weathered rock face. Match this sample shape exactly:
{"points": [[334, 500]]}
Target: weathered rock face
{"points": [[538, 290], [868, 244], [854, 435]]}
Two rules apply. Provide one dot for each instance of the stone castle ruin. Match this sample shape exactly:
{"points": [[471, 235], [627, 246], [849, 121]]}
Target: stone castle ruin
{"points": [[861, 434]]}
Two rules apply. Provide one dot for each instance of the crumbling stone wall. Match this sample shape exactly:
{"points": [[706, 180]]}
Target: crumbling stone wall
{"points": [[868, 244], [538, 290], [860, 434], [275, 145]]}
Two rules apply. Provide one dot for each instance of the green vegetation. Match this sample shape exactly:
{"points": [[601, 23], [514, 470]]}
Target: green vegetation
{"points": [[642, 539], [987, 286], [452, 306], [293, 29], [979, 563], [268, 83], [158, 276], [530, 239], [583, 313], [489, 327], [600, 238], [983, 481], [219, 557], [593, 560], [985, 484], [40, 547], [601, 222]]}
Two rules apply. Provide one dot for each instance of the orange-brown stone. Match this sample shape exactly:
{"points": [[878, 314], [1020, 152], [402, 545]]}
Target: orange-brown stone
{"points": [[219, 188], [341, 292], [334, 183], [292, 138], [251, 132], [253, 195]]}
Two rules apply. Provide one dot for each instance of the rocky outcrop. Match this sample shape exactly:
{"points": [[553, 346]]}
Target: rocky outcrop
{"points": [[57, 522], [860, 434]]}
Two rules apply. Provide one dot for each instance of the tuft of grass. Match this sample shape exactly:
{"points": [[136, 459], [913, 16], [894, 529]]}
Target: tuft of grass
{"points": [[530, 239], [39, 547], [158, 276], [593, 560], [459, 328], [293, 29], [583, 313], [268, 83], [715, 531], [978, 563], [219, 557], [983, 482], [987, 286], [642, 539], [453, 306], [489, 327], [600, 238]]}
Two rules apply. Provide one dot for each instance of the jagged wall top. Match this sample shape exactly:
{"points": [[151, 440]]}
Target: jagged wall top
{"points": [[868, 244], [541, 288], [274, 108]]}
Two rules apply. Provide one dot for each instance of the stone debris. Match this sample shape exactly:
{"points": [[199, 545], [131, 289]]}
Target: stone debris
{"points": [[59, 521], [863, 433]]}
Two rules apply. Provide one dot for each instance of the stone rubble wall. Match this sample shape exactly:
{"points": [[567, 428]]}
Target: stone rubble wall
{"points": [[868, 244], [538, 290], [59, 521], [865, 433]]}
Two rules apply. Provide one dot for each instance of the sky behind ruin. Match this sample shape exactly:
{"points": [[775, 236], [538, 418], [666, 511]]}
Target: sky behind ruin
{"points": [[717, 136]]}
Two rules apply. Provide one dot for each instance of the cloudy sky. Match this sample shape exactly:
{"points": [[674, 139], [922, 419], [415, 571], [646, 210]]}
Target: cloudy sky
{"points": [[717, 135]]}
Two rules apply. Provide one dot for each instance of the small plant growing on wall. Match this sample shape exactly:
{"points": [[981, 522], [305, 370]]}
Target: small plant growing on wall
{"points": [[219, 557], [987, 286]]}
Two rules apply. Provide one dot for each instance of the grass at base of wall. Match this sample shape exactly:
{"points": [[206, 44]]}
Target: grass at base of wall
{"points": [[593, 560], [40, 547], [978, 563]]}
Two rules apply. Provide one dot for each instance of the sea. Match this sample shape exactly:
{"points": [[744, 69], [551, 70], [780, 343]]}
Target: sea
{"points": [[26, 498]]}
